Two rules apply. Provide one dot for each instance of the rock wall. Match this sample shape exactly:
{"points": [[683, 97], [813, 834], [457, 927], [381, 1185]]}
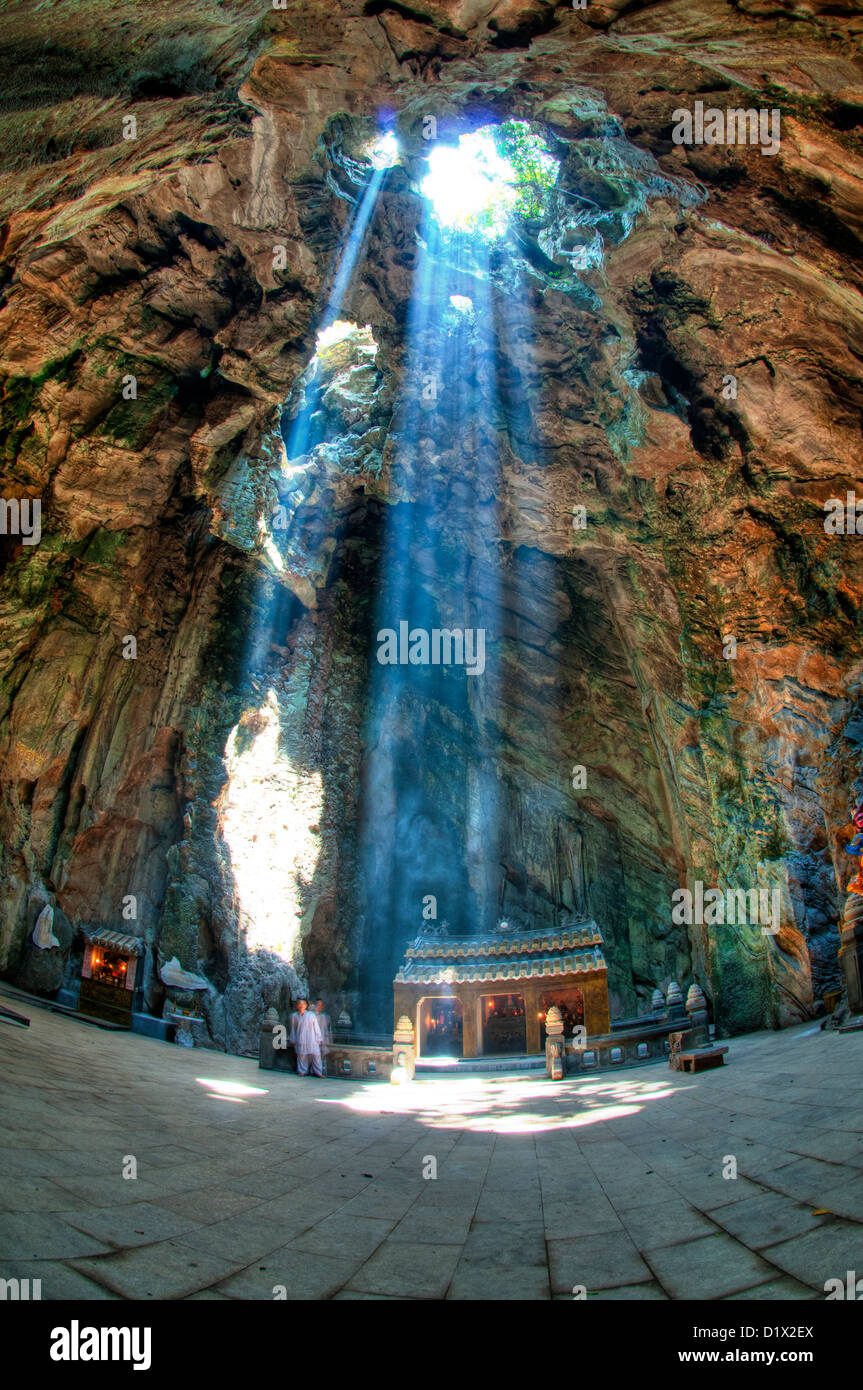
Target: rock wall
{"points": [[241, 784]]}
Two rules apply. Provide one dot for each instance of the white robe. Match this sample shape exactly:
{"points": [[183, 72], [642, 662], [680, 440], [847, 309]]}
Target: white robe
{"points": [[326, 1032], [306, 1038]]}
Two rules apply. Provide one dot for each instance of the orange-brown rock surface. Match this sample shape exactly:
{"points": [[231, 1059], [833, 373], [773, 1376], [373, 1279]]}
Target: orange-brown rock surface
{"points": [[275, 814]]}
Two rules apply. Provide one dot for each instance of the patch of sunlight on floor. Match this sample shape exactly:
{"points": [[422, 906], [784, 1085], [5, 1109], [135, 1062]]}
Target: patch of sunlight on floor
{"points": [[230, 1088], [506, 1107], [655, 1090]]}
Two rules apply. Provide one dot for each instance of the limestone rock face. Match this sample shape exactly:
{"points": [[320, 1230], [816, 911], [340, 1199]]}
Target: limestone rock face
{"points": [[197, 740]]}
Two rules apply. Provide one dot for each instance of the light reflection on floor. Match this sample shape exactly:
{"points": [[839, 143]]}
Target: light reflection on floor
{"points": [[506, 1106], [229, 1090]]}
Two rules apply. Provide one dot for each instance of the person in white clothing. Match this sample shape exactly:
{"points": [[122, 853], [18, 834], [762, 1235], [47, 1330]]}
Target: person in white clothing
{"points": [[306, 1039], [326, 1029]]}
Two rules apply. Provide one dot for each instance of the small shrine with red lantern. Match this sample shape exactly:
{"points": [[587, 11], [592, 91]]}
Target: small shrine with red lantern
{"points": [[108, 974]]}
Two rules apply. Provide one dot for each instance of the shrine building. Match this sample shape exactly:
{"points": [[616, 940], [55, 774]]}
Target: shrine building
{"points": [[483, 996]]}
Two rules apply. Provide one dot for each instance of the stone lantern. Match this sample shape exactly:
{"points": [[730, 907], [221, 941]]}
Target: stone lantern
{"points": [[404, 1051], [269, 1039], [696, 1007], [555, 1045], [674, 1000]]}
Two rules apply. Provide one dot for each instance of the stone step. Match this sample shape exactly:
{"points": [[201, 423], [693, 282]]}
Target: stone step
{"points": [[463, 1066]]}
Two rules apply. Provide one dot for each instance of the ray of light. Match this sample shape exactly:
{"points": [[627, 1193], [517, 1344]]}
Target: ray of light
{"points": [[269, 813]]}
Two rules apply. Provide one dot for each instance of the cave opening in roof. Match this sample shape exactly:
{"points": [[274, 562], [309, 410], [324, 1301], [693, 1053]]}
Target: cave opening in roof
{"points": [[489, 176]]}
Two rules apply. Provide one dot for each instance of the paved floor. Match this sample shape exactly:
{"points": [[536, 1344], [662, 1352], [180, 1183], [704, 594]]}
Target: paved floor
{"points": [[249, 1182]]}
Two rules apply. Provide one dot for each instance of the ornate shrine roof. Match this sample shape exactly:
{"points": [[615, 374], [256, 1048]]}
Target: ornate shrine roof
{"points": [[118, 941], [513, 955]]}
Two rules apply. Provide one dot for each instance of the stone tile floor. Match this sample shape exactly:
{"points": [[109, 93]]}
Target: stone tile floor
{"points": [[250, 1180]]}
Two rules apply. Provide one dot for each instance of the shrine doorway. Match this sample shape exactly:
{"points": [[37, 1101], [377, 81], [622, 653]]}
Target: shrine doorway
{"points": [[503, 1024], [440, 1028]]}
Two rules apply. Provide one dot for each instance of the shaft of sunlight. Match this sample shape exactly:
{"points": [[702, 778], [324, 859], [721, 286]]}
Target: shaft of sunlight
{"points": [[269, 810]]}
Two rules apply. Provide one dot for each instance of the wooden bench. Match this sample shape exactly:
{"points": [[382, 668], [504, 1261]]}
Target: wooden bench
{"points": [[702, 1058], [687, 1052]]}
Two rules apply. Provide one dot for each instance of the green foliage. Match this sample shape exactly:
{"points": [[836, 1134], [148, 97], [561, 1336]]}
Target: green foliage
{"points": [[534, 167], [506, 172]]}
